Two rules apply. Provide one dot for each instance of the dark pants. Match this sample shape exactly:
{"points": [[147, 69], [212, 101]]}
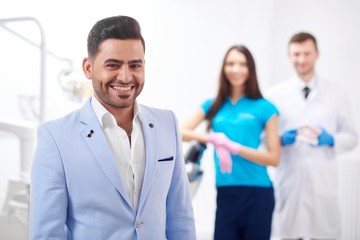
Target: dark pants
{"points": [[244, 213]]}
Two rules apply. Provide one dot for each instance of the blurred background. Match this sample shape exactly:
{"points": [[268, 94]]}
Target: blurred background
{"points": [[43, 44]]}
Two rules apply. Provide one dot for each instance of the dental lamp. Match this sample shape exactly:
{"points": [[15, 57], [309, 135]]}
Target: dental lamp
{"points": [[42, 45], [68, 79], [71, 83]]}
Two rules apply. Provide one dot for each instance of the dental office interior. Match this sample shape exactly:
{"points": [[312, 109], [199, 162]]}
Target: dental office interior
{"points": [[43, 44]]}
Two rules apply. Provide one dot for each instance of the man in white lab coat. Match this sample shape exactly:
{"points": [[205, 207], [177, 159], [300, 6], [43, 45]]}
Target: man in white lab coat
{"points": [[315, 125]]}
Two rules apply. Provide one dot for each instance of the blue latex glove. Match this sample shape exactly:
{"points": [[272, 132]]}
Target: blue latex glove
{"points": [[325, 138], [288, 137]]}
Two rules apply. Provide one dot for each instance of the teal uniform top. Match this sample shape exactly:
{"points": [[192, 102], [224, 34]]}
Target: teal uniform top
{"points": [[243, 122]]}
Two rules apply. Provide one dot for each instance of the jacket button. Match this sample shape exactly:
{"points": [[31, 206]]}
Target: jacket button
{"points": [[137, 224]]}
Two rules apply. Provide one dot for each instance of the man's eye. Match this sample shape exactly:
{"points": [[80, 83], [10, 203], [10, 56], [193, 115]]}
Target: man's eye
{"points": [[112, 65], [136, 66]]}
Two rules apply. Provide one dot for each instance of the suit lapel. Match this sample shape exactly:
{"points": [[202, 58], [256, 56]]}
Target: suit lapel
{"points": [[99, 147], [149, 126]]}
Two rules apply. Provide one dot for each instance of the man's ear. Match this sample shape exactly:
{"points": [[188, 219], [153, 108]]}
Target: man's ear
{"points": [[87, 67]]}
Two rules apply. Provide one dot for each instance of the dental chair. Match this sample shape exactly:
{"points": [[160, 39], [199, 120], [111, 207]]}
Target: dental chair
{"points": [[15, 209], [193, 166]]}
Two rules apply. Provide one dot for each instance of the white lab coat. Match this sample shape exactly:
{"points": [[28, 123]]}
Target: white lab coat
{"points": [[306, 180]]}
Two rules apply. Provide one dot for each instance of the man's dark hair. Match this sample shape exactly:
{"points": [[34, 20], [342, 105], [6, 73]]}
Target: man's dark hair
{"points": [[117, 27], [302, 37]]}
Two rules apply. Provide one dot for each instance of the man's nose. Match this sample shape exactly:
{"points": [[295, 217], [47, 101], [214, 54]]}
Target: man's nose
{"points": [[124, 74], [301, 58]]}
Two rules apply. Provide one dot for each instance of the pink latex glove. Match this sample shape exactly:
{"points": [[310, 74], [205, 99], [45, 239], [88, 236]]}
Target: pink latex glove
{"points": [[224, 159], [219, 139]]}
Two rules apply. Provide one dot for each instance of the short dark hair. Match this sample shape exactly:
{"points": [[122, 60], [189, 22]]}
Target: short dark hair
{"points": [[117, 27], [302, 37]]}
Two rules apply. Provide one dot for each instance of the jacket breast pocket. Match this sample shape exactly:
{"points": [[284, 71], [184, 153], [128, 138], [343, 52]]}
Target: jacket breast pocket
{"points": [[164, 171], [166, 159]]}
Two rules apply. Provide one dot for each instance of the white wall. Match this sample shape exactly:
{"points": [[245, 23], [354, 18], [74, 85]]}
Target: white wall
{"points": [[185, 44]]}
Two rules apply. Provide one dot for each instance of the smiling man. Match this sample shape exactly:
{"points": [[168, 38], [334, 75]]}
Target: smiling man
{"points": [[315, 125], [113, 169]]}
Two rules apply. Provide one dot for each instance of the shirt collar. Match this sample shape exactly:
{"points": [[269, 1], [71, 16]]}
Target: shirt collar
{"points": [[105, 117], [228, 99], [310, 84]]}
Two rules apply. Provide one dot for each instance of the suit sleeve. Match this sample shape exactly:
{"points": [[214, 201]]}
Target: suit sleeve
{"points": [[180, 218], [48, 193]]}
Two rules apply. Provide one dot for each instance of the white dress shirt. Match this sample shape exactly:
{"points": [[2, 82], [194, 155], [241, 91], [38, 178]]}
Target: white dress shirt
{"points": [[129, 158]]}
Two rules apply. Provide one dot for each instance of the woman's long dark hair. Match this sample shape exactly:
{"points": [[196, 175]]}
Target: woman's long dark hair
{"points": [[252, 89]]}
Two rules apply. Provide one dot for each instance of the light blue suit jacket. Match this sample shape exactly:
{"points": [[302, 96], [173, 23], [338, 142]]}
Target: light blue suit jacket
{"points": [[77, 192]]}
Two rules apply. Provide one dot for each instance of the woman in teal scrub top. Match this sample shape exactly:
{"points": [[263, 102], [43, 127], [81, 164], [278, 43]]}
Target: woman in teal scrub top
{"points": [[238, 119]]}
